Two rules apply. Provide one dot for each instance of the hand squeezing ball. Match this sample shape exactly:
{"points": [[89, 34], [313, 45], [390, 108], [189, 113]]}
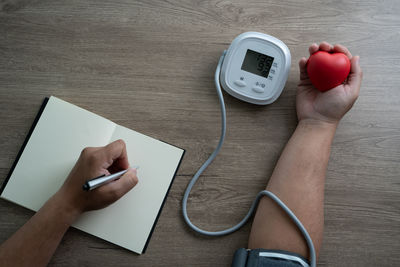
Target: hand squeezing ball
{"points": [[327, 70]]}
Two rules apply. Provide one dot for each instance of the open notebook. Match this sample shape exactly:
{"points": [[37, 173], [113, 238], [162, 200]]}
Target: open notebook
{"points": [[61, 130]]}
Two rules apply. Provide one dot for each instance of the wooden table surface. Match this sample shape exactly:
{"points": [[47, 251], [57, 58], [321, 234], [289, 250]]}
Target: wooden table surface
{"points": [[149, 66]]}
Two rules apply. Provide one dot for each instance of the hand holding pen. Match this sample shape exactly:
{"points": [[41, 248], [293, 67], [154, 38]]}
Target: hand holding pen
{"points": [[104, 179], [95, 162]]}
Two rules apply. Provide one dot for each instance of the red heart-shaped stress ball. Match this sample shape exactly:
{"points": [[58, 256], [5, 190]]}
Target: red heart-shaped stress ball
{"points": [[326, 70]]}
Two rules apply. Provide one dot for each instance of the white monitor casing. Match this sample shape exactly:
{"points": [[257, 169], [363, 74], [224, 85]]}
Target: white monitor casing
{"points": [[250, 87]]}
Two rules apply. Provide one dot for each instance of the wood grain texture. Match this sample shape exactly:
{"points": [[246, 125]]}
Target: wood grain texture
{"points": [[156, 60]]}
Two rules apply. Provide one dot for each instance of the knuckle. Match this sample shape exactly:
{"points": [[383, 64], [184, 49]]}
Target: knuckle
{"points": [[86, 152], [92, 158], [133, 180], [129, 182]]}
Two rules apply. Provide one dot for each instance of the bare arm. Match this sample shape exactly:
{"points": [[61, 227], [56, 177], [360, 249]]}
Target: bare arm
{"points": [[298, 180], [299, 176], [35, 242]]}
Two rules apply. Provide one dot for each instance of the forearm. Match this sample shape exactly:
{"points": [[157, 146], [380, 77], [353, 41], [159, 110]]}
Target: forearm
{"points": [[298, 180], [35, 242], [304, 159]]}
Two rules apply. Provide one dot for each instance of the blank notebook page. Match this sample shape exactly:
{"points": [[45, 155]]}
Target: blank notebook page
{"points": [[61, 133]]}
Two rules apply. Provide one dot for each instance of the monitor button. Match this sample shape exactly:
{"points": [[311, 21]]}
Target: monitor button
{"points": [[258, 89], [240, 83]]}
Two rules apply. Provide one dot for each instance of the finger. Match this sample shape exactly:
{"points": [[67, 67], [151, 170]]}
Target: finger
{"points": [[342, 49], [325, 46], [303, 68], [355, 76], [313, 48], [115, 152], [120, 187]]}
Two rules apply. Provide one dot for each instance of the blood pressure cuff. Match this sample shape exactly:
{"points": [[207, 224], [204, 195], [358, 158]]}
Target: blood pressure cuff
{"points": [[267, 258]]}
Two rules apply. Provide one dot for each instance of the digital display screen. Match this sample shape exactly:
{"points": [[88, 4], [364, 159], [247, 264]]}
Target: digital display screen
{"points": [[257, 63]]}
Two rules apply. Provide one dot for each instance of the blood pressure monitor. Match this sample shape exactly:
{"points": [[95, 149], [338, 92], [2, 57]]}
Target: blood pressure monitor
{"points": [[255, 68]]}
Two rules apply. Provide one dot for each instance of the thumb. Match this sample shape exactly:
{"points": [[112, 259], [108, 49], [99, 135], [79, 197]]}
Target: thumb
{"points": [[123, 185]]}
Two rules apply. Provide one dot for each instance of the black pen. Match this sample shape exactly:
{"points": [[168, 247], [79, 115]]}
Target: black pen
{"points": [[104, 179]]}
